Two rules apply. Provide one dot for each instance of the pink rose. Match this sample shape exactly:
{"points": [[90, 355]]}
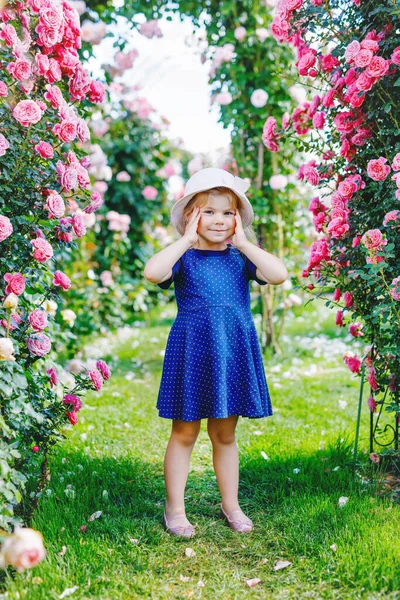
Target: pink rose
{"points": [[4, 145], [3, 89], [395, 290], [62, 280], [364, 82], [352, 49], [356, 241], [6, 228], [52, 373], [347, 188], [65, 131], [319, 120], [307, 61], [378, 67], [68, 176], [396, 56], [363, 58], [96, 93], [16, 283], [54, 96], [339, 318], [123, 176], [352, 361], [348, 299], [73, 417], [55, 205], [355, 329], [371, 404], [370, 45], [396, 162], [97, 379], [38, 344], [372, 239], [83, 133], [103, 368], [27, 112], [8, 34], [54, 72], [377, 169], [392, 218], [44, 149], [43, 250], [78, 225], [74, 400], [42, 63], [150, 192], [38, 319], [372, 379], [80, 83]]}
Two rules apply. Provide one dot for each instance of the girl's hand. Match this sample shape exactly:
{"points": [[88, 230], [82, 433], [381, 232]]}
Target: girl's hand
{"points": [[238, 239], [191, 226]]}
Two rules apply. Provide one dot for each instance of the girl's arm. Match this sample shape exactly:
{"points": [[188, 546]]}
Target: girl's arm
{"points": [[159, 267], [269, 267]]}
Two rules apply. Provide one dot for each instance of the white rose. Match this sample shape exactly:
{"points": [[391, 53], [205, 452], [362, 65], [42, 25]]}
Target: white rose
{"points": [[69, 316], [6, 349], [11, 301], [23, 548], [50, 306]]}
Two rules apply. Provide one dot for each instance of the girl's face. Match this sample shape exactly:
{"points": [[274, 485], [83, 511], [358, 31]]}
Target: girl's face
{"points": [[217, 222]]}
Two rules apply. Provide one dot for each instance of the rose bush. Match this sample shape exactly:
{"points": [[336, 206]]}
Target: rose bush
{"points": [[43, 84], [351, 58]]}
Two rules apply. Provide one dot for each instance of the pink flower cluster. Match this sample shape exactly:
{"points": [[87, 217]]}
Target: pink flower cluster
{"points": [[338, 224], [118, 222]]}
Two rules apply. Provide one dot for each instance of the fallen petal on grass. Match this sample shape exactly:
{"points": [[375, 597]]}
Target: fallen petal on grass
{"points": [[281, 564], [95, 515], [190, 552], [68, 591], [342, 501], [251, 582], [333, 547]]}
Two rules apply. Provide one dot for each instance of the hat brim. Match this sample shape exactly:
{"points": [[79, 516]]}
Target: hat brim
{"points": [[177, 209]]}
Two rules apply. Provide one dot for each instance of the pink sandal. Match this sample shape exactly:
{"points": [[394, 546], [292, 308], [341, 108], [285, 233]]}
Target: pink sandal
{"points": [[186, 531], [243, 525]]}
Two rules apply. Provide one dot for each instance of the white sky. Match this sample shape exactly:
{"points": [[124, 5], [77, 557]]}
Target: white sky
{"points": [[175, 83]]}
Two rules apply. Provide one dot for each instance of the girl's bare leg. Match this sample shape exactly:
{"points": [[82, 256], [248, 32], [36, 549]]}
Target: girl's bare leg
{"points": [[176, 468], [225, 459]]}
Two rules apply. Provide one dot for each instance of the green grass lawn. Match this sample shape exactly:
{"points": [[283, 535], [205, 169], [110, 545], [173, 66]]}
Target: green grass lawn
{"points": [[294, 467]]}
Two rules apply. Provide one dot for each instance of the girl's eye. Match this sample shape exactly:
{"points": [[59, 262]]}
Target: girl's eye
{"points": [[227, 212]]}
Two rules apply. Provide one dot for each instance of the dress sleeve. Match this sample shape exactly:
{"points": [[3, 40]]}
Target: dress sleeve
{"points": [[251, 270], [175, 272]]}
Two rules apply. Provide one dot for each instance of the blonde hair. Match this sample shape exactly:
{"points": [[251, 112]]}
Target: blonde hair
{"points": [[201, 198]]}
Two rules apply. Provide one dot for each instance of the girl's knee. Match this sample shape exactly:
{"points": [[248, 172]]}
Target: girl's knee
{"points": [[185, 432], [223, 438], [222, 431]]}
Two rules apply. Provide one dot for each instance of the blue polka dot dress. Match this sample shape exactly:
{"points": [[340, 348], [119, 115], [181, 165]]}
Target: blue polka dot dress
{"points": [[212, 364]]}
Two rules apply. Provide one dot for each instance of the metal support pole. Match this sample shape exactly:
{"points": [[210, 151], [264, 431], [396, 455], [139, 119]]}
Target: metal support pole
{"points": [[358, 418]]}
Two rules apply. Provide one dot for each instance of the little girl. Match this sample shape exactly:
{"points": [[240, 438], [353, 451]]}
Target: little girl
{"points": [[213, 367]]}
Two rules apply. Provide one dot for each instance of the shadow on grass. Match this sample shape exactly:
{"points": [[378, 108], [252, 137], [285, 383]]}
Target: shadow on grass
{"points": [[134, 498]]}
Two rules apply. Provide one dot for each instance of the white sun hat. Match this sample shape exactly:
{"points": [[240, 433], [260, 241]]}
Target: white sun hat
{"points": [[205, 179]]}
